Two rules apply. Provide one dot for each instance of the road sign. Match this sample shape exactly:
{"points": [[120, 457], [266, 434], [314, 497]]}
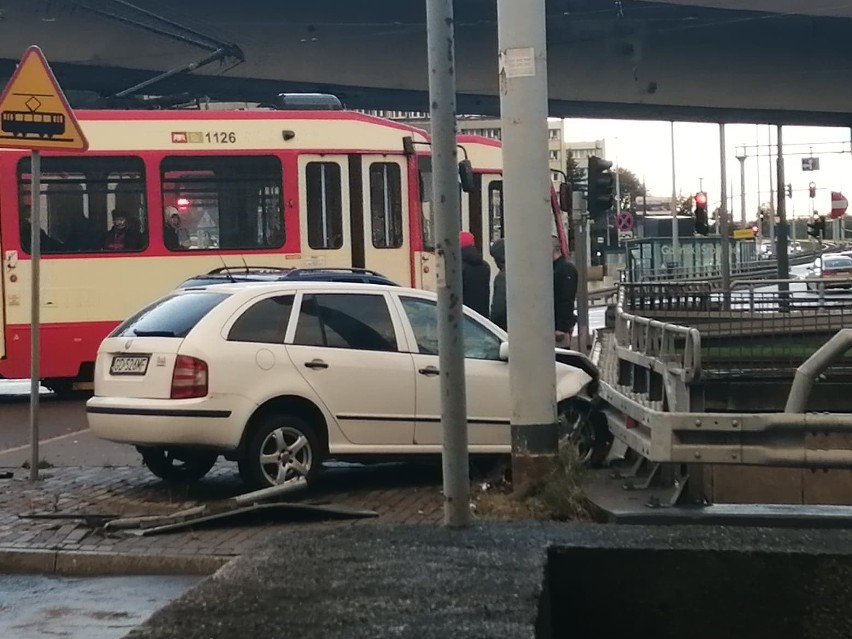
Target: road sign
{"points": [[34, 113], [810, 164], [839, 204], [743, 234], [624, 221]]}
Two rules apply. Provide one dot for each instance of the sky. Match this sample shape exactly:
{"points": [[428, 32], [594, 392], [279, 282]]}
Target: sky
{"points": [[645, 148]]}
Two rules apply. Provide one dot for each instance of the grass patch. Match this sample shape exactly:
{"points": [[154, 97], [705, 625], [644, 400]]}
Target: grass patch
{"points": [[557, 496], [780, 347]]}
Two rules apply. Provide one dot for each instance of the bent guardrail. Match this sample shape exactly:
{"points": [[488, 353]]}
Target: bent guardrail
{"points": [[653, 371]]}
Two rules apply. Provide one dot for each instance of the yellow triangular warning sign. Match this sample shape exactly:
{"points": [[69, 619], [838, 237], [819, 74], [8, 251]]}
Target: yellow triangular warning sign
{"points": [[34, 113]]}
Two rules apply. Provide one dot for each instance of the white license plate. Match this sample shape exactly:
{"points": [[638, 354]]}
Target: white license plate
{"points": [[129, 365]]}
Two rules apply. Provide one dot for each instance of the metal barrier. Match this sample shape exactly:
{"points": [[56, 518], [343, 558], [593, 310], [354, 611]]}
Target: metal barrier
{"points": [[652, 367], [765, 325]]}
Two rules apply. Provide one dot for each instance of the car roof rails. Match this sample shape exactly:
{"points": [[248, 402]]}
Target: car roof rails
{"points": [[336, 269], [249, 269]]}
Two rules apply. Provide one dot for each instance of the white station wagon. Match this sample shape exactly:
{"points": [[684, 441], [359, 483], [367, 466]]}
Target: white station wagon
{"points": [[280, 377]]}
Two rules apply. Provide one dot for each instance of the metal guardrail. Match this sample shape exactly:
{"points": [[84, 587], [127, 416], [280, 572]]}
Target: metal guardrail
{"points": [[755, 268], [651, 370]]}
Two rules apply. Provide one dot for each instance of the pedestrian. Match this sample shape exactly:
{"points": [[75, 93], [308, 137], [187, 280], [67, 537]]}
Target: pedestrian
{"points": [[498, 300], [476, 275], [564, 293]]}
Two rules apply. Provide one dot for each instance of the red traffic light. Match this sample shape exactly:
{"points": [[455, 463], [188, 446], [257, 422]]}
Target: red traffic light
{"points": [[183, 204], [700, 199]]}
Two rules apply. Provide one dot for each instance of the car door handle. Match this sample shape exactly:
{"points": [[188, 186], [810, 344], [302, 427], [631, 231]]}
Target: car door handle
{"points": [[429, 371], [316, 364]]}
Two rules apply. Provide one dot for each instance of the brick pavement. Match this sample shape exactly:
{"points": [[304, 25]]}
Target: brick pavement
{"points": [[69, 505]]}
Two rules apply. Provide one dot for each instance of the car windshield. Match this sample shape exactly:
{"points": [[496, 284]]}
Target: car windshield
{"points": [[172, 316]]}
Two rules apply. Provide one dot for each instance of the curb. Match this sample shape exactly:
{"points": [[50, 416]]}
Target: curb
{"points": [[92, 564]]}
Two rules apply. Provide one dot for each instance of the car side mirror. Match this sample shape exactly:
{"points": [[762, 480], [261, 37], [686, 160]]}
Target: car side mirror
{"points": [[504, 351]]}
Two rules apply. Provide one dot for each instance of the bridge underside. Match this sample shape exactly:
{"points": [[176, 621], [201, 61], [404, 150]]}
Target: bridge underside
{"points": [[606, 59]]}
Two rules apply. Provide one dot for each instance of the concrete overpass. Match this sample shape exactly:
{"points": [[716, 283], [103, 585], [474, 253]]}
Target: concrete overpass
{"points": [[779, 61]]}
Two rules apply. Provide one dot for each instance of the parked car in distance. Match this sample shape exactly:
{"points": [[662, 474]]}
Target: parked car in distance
{"points": [[829, 271], [282, 376], [232, 274]]}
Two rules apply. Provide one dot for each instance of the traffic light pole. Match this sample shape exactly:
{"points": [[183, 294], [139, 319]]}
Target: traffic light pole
{"points": [[724, 232], [442, 97], [782, 229], [529, 250], [675, 230], [581, 261]]}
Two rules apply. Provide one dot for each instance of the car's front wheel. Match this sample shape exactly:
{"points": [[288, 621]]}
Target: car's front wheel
{"points": [[585, 430], [282, 449], [178, 465]]}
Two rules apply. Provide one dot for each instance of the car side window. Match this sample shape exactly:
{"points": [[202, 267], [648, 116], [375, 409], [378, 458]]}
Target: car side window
{"points": [[345, 320], [264, 322], [479, 342]]}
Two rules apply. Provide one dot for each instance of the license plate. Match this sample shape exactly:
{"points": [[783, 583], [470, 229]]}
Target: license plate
{"points": [[129, 365]]}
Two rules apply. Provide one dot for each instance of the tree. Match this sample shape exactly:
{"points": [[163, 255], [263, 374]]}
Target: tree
{"points": [[576, 174], [630, 188]]}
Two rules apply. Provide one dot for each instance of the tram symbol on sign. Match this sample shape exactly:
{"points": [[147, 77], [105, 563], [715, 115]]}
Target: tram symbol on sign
{"points": [[624, 221], [32, 121]]}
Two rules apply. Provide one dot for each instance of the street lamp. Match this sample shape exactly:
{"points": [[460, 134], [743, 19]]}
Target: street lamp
{"points": [[741, 156]]}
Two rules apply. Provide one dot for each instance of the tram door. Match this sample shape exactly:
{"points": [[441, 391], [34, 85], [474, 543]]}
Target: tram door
{"points": [[4, 267], [386, 232], [326, 237], [491, 207]]}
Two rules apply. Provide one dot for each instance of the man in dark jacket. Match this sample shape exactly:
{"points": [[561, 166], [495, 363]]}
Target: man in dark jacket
{"points": [[476, 275], [499, 313], [564, 293]]}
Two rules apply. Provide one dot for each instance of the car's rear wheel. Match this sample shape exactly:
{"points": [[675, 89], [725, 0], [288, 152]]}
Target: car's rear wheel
{"points": [[178, 465], [282, 449]]}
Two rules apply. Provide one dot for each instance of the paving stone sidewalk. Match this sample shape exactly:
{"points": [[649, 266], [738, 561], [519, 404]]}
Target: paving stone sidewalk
{"points": [[62, 512]]}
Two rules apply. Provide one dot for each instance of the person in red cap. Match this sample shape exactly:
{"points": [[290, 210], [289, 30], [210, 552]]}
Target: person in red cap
{"points": [[476, 275]]}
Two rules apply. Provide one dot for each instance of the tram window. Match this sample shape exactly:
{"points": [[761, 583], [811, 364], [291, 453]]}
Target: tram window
{"points": [[495, 210], [88, 205], [386, 204], [223, 202], [324, 205], [427, 211]]}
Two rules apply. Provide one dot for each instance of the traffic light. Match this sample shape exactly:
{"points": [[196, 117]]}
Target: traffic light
{"points": [[812, 189], [790, 190], [702, 226], [601, 189]]}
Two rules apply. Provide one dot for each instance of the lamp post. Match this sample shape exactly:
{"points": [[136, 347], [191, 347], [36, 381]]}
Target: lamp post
{"points": [[741, 156]]}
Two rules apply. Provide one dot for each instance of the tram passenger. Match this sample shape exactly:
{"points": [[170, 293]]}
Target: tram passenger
{"points": [[48, 244], [175, 236], [121, 237]]}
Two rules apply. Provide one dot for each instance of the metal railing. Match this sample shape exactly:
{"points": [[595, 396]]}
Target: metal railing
{"points": [[653, 365], [770, 326]]}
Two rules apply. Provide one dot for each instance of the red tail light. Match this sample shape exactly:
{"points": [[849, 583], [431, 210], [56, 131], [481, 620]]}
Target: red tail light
{"points": [[189, 378]]}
